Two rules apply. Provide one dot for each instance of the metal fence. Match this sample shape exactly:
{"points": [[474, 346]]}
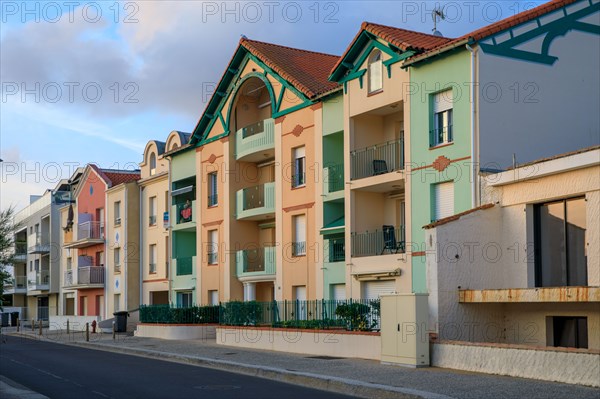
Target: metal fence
{"points": [[377, 160], [168, 314], [378, 242], [351, 314]]}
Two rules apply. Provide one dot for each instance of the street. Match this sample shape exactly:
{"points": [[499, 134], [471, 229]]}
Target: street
{"points": [[60, 371]]}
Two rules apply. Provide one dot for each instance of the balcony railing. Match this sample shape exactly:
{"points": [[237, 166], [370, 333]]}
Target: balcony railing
{"points": [[378, 242], [255, 201], [299, 248], [257, 137], [184, 213], [333, 178], [38, 246], [184, 266], [90, 231], [298, 179], [86, 275], [213, 258], [17, 283], [253, 262], [213, 200], [334, 250], [377, 160], [20, 248], [440, 136], [39, 281], [117, 268], [151, 220]]}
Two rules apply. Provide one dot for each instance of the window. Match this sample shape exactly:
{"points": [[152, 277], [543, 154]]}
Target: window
{"points": [[152, 258], [152, 211], [375, 67], [570, 332], [69, 263], [299, 171], [299, 244], [560, 243], [117, 259], [212, 247], [152, 163], [184, 299], [213, 297], [443, 200], [117, 302], [117, 207], [213, 198], [442, 119]]}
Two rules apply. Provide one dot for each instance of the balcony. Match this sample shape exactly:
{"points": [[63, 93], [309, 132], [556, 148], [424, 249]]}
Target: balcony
{"points": [[253, 141], [389, 240], [88, 234], [531, 295], [21, 251], [85, 277], [184, 216], [256, 264], [254, 203], [334, 250], [377, 160], [184, 266], [333, 182], [37, 245], [40, 281], [16, 285]]}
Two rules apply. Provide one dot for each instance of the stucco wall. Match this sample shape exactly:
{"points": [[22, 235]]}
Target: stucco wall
{"points": [[176, 332], [561, 366], [306, 342]]}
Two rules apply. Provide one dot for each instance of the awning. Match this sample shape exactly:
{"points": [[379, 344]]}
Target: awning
{"points": [[337, 226], [183, 190]]}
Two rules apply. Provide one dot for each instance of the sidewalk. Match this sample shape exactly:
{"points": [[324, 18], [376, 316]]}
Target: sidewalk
{"points": [[363, 378]]}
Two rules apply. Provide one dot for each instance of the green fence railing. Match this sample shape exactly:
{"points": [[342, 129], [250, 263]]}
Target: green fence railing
{"points": [[168, 314]]}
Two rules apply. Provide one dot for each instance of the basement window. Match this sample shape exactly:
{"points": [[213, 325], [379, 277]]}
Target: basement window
{"points": [[568, 332]]}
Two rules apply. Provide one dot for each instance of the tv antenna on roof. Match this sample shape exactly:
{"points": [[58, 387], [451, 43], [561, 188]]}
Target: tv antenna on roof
{"points": [[435, 14]]}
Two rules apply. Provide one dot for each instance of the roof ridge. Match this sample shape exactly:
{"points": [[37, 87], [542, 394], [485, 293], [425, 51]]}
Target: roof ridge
{"points": [[367, 23], [242, 40]]}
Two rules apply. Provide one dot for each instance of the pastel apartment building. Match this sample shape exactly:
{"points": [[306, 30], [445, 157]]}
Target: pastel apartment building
{"points": [[94, 246]]}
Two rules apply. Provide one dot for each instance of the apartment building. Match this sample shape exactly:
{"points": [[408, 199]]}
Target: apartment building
{"points": [[158, 219], [35, 282], [524, 268], [86, 243], [249, 175]]}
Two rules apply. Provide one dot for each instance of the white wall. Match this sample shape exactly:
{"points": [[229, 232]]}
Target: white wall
{"points": [[556, 109]]}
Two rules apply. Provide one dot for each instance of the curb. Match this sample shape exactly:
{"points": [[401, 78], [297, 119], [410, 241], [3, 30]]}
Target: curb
{"points": [[322, 382]]}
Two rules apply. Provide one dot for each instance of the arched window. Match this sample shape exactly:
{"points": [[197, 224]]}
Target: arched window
{"points": [[375, 68], [152, 163]]}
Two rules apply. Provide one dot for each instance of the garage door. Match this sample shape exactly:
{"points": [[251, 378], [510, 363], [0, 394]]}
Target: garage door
{"points": [[374, 289]]}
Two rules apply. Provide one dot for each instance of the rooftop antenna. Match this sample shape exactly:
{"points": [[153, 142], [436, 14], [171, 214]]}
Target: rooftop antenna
{"points": [[435, 14]]}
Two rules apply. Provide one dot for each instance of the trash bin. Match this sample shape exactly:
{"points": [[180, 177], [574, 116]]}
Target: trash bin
{"points": [[121, 321], [14, 316], [4, 319]]}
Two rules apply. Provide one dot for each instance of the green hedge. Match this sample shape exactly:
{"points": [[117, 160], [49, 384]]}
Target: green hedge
{"points": [[167, 314]]}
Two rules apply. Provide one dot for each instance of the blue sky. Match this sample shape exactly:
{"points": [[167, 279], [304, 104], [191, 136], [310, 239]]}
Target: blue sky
{"points": [[93, 82]]}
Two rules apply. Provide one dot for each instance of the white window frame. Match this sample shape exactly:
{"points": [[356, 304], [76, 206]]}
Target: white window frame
{"points": [[375, 71]]}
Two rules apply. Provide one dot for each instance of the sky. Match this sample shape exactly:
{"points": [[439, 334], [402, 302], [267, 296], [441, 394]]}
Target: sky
{"points": [[93, 81]]}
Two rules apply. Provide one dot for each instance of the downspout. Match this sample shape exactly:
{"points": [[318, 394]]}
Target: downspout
{"points": [[125, 262], [474, 158], [169, 250], [143, 237]]}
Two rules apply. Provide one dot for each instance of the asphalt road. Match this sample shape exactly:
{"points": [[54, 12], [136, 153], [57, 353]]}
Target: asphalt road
{"points": [[60, 371]]}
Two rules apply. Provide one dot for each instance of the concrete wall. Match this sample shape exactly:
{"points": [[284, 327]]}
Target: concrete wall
{"points": [[565, 366], [176, 332], [306, 342], [76, 323]]}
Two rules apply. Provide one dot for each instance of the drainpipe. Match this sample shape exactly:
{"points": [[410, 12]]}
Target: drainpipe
{"points": [[143, 237], [125, 262], [474, 159]]}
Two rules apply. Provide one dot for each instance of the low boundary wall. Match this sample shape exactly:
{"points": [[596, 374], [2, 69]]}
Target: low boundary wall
{"points": [[334, 343], [176, 331], [568, 365]]}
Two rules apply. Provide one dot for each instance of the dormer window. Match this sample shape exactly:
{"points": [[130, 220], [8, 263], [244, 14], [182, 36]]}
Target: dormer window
{"points": [[375, 70], [152, 163]]}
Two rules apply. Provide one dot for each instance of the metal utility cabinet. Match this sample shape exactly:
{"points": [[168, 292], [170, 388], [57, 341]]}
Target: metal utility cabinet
{"points": [[404, 332]]}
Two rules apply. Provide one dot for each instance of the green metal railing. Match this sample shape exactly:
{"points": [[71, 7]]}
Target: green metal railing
{"points": [[334, 249], [333, 177], [184, 266], [168, 314], [251, 262], [256, 137], [351, 314]]}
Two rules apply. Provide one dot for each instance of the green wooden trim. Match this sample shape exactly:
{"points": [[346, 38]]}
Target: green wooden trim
{"points": [[551, 30], [292, 109], [239, 84], [353, 75], [280, 98]]}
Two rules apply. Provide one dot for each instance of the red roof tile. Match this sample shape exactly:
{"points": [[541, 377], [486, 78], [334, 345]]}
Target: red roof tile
{"points": [[306, 70], [457, 216], [114, 177], [496, 27]]}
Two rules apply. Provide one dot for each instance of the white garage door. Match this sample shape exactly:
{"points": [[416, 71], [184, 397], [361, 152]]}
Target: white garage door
{"points": [[374, 289], [338, 292]]}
